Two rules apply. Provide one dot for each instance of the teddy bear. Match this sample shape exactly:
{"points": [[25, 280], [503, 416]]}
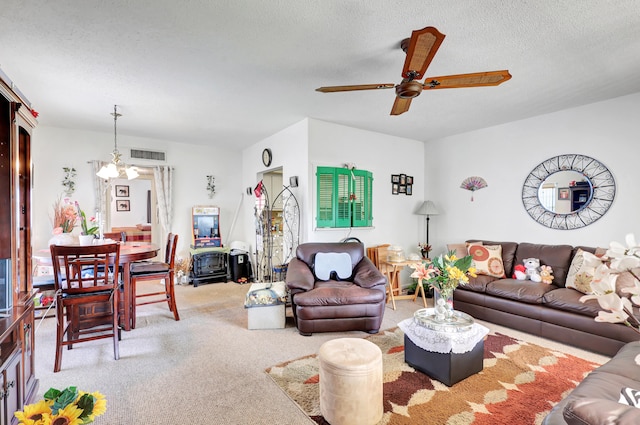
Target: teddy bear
{"points": [[531, 270], [546, 273]]}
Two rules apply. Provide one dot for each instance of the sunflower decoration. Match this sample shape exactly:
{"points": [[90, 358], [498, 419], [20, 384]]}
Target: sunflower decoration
{"points": [[66, 407]]}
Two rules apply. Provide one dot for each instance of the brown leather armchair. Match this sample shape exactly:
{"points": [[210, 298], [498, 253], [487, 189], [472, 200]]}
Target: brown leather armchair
{"points": [[335, 288]]}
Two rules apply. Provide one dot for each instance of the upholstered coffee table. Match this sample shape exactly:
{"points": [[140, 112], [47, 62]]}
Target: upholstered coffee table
{"points": [[447, 352]]}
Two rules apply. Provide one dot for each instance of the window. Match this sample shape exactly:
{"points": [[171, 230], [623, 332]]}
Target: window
{"points": [[344, 197]]}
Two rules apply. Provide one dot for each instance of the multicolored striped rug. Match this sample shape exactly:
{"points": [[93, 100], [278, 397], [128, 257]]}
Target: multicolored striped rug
{"points": [[519, 384]]}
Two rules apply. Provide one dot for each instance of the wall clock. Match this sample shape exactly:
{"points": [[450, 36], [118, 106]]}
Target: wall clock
{"points": [[266, 157]]}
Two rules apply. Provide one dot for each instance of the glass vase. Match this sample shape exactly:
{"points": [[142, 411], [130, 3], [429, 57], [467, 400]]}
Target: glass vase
{"points": [[443, 305], [63, 239]]}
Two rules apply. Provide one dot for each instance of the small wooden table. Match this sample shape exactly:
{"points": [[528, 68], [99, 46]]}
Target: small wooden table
{"points": [[393, 270]]}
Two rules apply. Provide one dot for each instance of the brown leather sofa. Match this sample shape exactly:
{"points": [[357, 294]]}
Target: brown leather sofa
{"points": [[551, 311], [339, 303], [595, 400]]}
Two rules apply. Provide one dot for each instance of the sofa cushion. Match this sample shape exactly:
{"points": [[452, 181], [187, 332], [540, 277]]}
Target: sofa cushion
{"points": [[567, 299], [478, 283], [487, 259], [460, 249], [524, 291], [338, 293], [556, 256]]}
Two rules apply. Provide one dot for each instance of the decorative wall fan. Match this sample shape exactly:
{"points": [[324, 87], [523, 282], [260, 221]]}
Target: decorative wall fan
{"points": [[420, 50], [473, 183]]}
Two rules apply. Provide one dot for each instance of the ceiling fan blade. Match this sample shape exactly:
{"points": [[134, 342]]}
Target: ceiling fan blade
{"points": [[331, 89], [401, 105], [423, 46], [478, 79]]}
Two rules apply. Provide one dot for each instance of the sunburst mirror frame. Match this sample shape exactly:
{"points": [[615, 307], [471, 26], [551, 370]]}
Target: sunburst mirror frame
{"points": [[602, 182]]}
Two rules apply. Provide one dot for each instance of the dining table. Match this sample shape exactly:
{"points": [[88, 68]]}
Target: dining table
{"points": [[129, 253]]}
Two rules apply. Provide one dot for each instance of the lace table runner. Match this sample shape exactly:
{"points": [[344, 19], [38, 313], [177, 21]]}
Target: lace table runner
{"points": [[443, 342]]}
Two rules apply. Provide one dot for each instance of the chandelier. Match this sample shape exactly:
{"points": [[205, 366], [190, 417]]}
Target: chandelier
{"points": [[116, 167]]}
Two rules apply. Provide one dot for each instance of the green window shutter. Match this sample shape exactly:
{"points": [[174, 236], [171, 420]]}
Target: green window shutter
{"points": [[326, 208], [361, 205], [344, 199], [343, 218]]}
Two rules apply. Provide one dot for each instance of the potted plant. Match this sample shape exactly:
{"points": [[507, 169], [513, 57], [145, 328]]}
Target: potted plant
{"points": [[87, 234]]}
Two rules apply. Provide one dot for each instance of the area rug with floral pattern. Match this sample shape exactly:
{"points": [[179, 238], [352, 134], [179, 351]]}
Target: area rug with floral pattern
{"points": [[519, 384]]}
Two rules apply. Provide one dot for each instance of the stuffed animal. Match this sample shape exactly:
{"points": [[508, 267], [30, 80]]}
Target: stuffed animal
{"points": [[519, 272], [531, 270], [546, 274]]}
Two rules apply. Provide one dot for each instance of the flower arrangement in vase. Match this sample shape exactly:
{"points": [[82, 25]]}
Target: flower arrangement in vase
{"points": [[618, 259], [65, 216], [69, 406], [444, 274], [88, 233], [425, 248]]}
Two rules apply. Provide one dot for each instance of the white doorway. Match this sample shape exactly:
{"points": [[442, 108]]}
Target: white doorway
{"points": [[130, 207]]}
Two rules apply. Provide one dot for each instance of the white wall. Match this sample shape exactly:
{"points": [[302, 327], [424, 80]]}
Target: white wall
{"points": [[504, 155], [54, 148], [289, 148], [393, 219], [309, 143]]}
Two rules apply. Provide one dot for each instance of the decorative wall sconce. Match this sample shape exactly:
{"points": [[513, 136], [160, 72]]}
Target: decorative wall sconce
{"points": [[211, 187], [68, 181]]}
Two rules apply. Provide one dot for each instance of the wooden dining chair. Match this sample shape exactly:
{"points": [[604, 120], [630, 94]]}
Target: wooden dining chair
{"points": [[155, 270], [86, 295]]}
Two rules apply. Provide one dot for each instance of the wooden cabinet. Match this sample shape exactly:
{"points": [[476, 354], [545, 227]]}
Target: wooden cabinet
{"points": [[17, 368]]}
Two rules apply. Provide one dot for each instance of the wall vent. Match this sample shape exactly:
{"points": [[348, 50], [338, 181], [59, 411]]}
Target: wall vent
{"points": [[148, 155]]}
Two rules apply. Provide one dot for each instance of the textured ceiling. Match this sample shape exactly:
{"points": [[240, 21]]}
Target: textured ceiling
{"points": [[235, 72]]}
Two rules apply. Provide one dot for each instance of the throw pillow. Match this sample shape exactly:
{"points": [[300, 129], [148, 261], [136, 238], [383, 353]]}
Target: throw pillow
{"points": [[487, 259], [327, 262], [580, 275], [460, 249]]}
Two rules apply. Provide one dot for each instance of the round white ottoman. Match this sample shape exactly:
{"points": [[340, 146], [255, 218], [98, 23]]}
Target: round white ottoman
{"points": [[350, 382]]}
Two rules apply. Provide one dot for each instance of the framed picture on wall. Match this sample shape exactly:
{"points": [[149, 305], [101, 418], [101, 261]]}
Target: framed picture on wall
{"points": [[122, 191], [394, 189], [402, 188], [123, 205], [409, 189], [395, 178], [563, 193], [403, 179], [409, 180]]}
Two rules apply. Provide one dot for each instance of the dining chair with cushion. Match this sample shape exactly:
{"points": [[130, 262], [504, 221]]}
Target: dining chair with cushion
{"points": [[87, 295], [155, 270]]}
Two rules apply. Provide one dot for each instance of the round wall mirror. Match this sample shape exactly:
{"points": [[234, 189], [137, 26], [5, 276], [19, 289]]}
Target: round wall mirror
{"points": [[568, 191]]}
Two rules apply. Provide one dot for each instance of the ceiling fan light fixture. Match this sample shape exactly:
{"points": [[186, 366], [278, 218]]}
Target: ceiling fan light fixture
{"points": [[409, 89]]}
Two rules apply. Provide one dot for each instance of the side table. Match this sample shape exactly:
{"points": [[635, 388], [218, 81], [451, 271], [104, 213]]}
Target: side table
{"points": [[446, 355]]}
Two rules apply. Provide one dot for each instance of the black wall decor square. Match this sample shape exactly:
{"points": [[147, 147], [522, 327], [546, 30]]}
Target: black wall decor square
{"points": [[401, 183]]}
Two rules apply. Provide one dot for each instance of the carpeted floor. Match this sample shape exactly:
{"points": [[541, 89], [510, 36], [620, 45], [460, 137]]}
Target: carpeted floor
{"points": [[208, 368], [519, 384]]}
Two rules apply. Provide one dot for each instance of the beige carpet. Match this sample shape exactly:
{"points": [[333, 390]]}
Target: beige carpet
{"points": [[208, 368]]}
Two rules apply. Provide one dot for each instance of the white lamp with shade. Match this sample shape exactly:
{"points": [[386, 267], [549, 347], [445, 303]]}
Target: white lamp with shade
{"points": [[427, 208]]}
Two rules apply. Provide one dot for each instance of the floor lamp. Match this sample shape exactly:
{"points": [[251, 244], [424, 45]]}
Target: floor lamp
{"points": [[427, 208]]}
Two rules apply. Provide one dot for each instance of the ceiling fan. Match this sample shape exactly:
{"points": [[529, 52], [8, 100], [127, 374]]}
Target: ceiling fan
{"points": [[420, 50]]}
